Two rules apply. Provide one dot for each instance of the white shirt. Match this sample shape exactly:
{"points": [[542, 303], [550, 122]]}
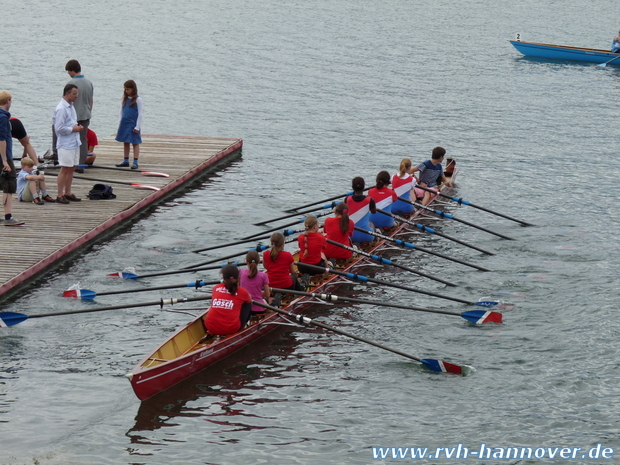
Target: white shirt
{"points": [[64, 120]]}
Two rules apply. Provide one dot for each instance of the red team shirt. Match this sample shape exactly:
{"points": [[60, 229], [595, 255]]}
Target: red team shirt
{"points": [[224, 316], [333, 232], [316, 245], [279, 272]]}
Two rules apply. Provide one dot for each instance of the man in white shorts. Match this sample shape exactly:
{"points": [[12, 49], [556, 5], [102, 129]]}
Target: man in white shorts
{"points": [[68, 142]]}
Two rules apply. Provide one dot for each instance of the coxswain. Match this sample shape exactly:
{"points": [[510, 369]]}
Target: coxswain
{"points": [[431, 175], [360, 207], [339, 228], [230, 305], [384, 197]]}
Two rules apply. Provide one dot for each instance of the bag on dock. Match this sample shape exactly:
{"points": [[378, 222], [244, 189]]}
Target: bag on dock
{"points": [[101, 192]]}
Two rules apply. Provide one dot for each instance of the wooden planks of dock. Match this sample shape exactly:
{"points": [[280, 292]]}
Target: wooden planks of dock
{"points": [[59, 231]]}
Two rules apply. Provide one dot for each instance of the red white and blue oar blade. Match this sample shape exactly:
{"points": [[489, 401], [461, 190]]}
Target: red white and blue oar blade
{"points": [[124, 275], [481, 316], [486, 303], [144, 186], [83, 294], [11, 318], [443, 367]]}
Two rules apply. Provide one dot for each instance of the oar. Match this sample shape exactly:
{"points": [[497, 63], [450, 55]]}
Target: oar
{"points": [[320, 201], [277, 228], [465, 202], [259, 248], [285, 233], [360, 278], [432, 364], [475, 316], [85, 294], [325, 207], [385, 261], [133, 276], [450, 217], [132, 184], [144, 173], [421, 249], [607, 62], [426, 229], [12, 318]]}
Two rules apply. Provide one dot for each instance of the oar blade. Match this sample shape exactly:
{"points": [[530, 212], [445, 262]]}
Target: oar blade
{"points": [[442, 366], [83, 294], [144, 186], [486, 303], [11, 318], [155, 173], [481, 316]]}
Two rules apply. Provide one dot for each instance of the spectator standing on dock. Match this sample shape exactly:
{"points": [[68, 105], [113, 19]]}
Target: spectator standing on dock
{"points": [[83, 105], [431, 175], [68, 142], [8, 182], [29, 184], [130, 123], [18, 131]]}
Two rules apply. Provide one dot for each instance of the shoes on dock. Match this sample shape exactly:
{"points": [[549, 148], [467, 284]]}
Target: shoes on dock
{"points": [[62, 199], [123, 164], [135, 165], [38, 201], [11, 222], [72, 198], [48, 199]]}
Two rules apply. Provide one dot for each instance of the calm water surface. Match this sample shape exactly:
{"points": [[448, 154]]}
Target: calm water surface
{"points": [[320, 93]]}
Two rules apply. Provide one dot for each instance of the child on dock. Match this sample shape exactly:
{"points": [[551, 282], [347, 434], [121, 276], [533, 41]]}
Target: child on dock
{"points": [[28, 185], [130, 123]]}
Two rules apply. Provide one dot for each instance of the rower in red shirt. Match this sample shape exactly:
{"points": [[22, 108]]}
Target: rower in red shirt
{"points": [[312, 246], [402, 183], [280, 265], [339, 229], [230, 305]]}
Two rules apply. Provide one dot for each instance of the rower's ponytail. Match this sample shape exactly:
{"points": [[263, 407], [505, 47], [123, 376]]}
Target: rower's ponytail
{"points": [[342, 210], [252, 259], [309, 223], [405, 165], [230, 275], [277, 244]]}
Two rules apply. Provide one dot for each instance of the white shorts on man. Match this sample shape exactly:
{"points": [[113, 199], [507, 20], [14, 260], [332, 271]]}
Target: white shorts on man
{"points": [[68, 157]]}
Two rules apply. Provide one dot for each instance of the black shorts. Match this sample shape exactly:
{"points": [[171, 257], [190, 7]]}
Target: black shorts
{"points": [[18, 131], [8, 181]]}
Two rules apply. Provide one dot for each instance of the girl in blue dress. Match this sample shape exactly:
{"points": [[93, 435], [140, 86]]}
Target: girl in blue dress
{"points": [[130, 122]]}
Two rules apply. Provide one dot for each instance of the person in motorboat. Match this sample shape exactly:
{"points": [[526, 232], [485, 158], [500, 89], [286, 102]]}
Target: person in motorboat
{"points": [[615, 44]]}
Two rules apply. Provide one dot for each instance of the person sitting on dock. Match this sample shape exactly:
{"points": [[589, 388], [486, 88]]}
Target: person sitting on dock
{"points": [[280, 265], [256, 282], [615, 44], [360, 207], [92, 141], [312, 246], [431, 172], [28, 185], [230, 305], [402, 184], [384, 197], [339, 228]]}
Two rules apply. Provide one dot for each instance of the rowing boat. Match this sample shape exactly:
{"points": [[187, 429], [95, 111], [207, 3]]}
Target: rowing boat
{"points": [[565, 52], [187, 352]]}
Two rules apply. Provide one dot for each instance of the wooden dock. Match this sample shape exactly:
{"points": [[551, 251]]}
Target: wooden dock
{"points": [[54, 232]]}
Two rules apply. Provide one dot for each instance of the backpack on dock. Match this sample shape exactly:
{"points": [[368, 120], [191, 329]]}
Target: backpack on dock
{"points": [[101, 192]]}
